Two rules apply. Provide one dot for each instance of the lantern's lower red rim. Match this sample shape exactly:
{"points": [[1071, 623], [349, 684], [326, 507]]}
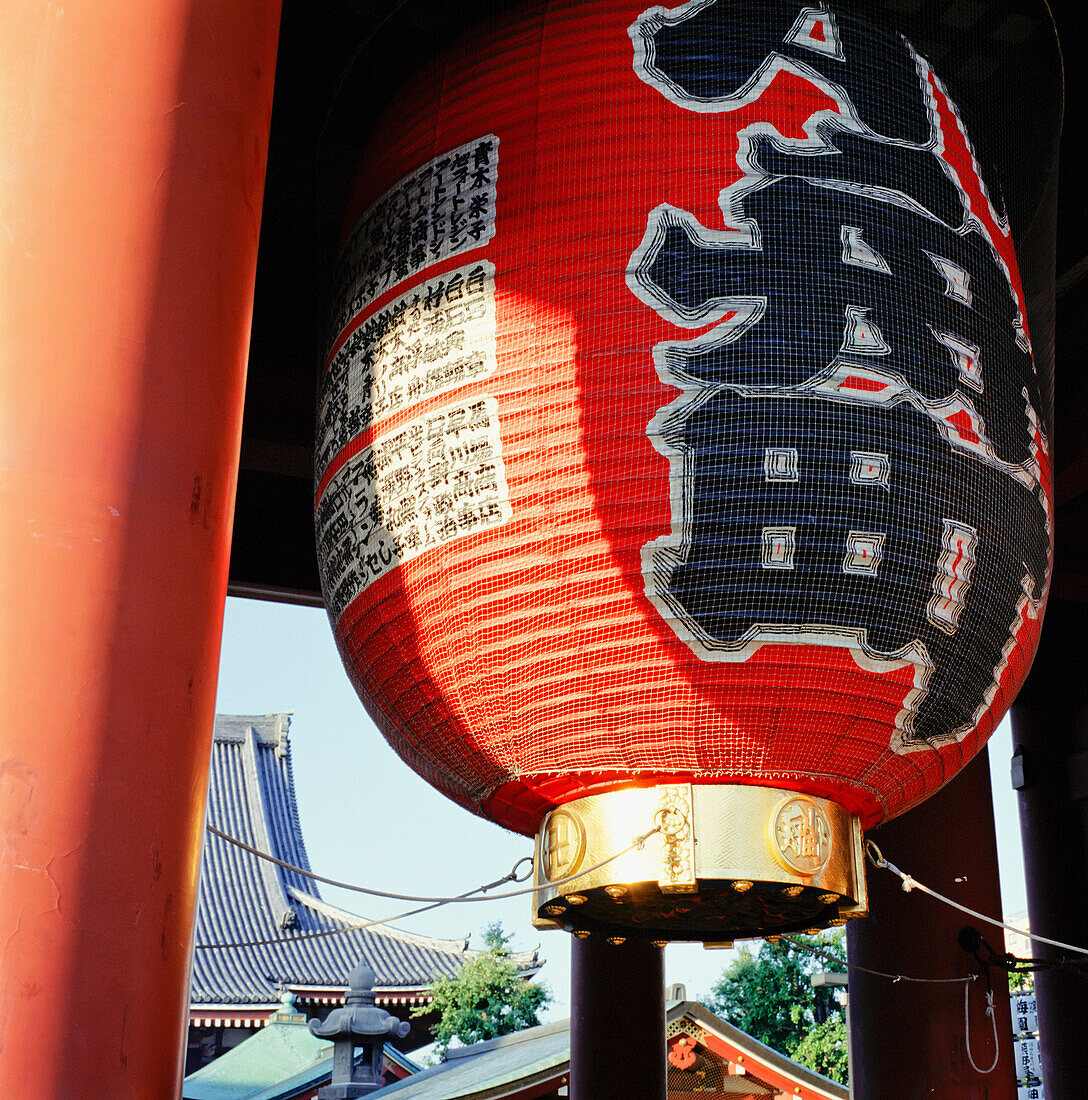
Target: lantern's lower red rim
{"points": [[521, 804]]}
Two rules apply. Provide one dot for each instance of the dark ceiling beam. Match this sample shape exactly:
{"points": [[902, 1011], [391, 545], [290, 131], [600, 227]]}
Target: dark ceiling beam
{"points": [[1070, 482], [268, 456], [1070, 278], [272, 594]]}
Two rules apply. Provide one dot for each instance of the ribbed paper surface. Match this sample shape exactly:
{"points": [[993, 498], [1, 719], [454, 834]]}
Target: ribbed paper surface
{"points": [[680, 417]]}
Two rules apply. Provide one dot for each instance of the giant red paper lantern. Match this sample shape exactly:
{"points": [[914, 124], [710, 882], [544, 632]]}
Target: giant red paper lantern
{"points": [[681, 436]]}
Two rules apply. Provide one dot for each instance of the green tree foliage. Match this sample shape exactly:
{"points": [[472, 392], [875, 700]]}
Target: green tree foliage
{"points": [[486, 999], [824, 1049], [769, 996]]}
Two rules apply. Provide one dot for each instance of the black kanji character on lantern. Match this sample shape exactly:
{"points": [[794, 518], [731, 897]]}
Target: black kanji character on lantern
{"points": [[857, 457], [717, 54], [844, 537], [862, 161], [841, 277]]}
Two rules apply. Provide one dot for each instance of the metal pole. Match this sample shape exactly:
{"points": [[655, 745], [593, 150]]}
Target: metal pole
{"points": [[825, 978], [135, 141], [1050, 771], [617, 1024], [909, 1040]]}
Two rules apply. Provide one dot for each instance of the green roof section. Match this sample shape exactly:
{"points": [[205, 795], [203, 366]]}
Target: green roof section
{"points": [[279, 1061], [284, 1060], [502, 1067], [262, 1067]]}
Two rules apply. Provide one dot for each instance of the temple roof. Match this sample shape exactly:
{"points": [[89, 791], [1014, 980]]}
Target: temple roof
{"points": [[246, 901], [529, 1063], [494, 1067]]}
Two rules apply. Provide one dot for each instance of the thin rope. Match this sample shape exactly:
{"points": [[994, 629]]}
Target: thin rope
{"points": [[911, 883], [317, 935], [967, 1030], [434, 903]]}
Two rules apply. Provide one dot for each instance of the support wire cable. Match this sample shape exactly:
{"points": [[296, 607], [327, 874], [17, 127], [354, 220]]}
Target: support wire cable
{"points": [[360, 927], [511, 877], [468, 896], [433, 902], [829, 957]]}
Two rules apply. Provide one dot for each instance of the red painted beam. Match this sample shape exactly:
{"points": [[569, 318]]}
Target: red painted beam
{"points": [[909, 1040], [135, 142], [1050, 736]]}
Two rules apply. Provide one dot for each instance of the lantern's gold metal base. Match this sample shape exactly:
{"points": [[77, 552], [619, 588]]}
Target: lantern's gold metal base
{"points": [[722, 862]]}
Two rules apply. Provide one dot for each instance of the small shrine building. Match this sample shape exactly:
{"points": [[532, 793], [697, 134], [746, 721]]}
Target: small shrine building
{"points": [[706, 1059], [281, 1061]]}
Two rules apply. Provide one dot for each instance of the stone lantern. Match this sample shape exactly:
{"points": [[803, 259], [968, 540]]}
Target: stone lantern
{"points": [[359, 1023]]}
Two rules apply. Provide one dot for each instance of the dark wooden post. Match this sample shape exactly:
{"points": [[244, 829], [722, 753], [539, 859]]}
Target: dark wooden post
{"points": [[617, 1022], [1050, 771], [908, 1038]]}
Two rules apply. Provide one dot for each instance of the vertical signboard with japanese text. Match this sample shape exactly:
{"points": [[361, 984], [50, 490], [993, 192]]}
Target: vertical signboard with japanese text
{"points": [[1029, 1063]]}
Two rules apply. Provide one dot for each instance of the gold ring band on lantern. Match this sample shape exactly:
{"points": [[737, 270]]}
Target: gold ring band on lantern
{"points": [[722, 862]]}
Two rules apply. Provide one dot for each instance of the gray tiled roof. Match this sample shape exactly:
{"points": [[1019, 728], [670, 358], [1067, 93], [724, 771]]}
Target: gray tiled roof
{"points": [[243, 898], [507, 1066], [494, 1067]]}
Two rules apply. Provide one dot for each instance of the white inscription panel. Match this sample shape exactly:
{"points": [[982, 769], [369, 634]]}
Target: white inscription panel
{"points": [[443, 208], [432, 339], [438, 478]]}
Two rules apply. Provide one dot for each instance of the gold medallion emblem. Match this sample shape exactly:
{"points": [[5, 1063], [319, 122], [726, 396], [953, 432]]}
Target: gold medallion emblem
{"points": [[562, 845], [801, 836]]}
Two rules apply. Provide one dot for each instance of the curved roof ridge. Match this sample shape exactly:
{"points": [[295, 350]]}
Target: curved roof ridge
{"points": [[258, 811], [334, 912], [270, 729], [701, 1015], [245, 954]]}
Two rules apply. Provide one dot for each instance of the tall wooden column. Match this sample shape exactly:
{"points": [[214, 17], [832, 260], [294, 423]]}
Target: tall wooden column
{"points": [[617, 1020], [908, 1039], [1050, 747], [135, 137]]}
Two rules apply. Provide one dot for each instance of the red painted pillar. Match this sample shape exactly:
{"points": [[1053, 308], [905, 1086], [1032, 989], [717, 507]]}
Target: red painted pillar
{"points": [[135, 137], [617, 1020], [909, 1039], [1050, 746]]}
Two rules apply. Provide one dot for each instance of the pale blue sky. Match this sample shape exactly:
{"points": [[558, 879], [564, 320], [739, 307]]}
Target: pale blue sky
{"points": [[369, 819]]}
